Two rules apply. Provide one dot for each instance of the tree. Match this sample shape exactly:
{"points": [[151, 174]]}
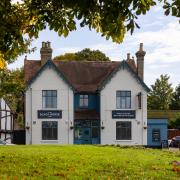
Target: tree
{"points": [[111, 18], [175, 122], [2, 64], [12, 89], [160, 95], [13, 26], [84, 55], [175, 104], [66, 57]]}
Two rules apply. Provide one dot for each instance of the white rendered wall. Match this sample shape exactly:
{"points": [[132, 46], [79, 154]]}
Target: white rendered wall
{"points": [[49, 80], [123, 80]]}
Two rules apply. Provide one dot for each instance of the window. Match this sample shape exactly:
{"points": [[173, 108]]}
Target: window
{"points": [[123, 130], [83, 101], [139, 100], [123, 99], [49, 130], [49, 99], [156, 135]]}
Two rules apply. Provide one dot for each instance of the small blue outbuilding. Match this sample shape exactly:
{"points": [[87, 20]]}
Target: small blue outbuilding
{"points": [[157, 132]]}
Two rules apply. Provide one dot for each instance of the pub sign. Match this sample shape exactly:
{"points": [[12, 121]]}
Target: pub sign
{"points": [[123, 114], [49, 114]]}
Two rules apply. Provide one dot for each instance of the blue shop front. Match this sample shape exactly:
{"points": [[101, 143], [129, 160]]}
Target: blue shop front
{"points": [[157, 132], [87, 119]]}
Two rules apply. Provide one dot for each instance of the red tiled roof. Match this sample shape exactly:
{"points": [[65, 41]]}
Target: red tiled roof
{"points": [[31, 67], [84, 76]]}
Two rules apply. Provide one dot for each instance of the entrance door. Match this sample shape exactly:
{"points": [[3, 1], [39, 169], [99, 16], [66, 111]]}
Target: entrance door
{"points": [[86, 139], [86, 132]]}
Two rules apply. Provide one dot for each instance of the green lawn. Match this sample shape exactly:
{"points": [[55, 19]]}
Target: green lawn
{"points": [[86, 162]]}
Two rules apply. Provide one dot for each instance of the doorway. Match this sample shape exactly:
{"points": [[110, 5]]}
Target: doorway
{"points": [[87, 132]]}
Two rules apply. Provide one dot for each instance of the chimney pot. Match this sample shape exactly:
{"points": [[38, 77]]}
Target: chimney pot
{"points": [[141, 47], [43, 44], [128, 56], [25, 58], [49, 44], [46, 52], [140, 61]]}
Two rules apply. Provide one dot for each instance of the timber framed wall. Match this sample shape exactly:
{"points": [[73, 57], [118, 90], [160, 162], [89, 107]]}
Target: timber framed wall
{"points": [[6, 122]]}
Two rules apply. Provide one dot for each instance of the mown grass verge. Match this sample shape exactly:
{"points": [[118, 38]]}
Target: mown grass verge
{"points": [[86, 162]]}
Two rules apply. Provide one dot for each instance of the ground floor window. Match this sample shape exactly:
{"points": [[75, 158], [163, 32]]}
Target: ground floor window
{"points": [[123, 130], [49, 130], [156, 135]]}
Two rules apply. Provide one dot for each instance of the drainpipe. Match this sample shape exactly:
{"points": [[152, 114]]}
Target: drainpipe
{"points": [[31, 117], [142, 117], [68, 117]]}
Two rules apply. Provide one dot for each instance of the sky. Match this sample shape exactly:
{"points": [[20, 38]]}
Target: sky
{"points": [[160, 35]]}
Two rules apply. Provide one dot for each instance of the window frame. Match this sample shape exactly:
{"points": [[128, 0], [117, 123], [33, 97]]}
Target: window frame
{"points": [[85, 97], [44, 104], [120, 99], [56, 133], [153, 135], [125, 138], [139, 100]]}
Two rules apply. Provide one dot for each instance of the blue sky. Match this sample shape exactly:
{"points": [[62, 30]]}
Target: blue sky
{"points": [[159, 34]]}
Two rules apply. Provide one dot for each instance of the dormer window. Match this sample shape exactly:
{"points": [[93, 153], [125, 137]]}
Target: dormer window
{"points": [[83, 100]]}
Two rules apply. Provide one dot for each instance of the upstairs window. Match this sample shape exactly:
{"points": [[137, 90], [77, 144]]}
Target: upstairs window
{"points": [[139, 96], [123, 99], [83, 100], [49, 99]]}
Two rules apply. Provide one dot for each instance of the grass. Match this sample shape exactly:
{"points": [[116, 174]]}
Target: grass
{"points": [[86, 162]]}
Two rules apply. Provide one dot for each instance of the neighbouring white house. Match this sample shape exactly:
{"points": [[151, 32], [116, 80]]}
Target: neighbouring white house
{"points": [[72, 102], [6, 121]]}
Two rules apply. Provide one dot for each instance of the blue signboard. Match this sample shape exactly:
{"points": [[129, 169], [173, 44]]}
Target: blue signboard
{"points": [[49, 114], [123, 114]]}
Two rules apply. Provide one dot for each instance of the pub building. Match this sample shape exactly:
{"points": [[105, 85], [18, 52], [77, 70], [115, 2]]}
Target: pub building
{"points": [[73, 102]]}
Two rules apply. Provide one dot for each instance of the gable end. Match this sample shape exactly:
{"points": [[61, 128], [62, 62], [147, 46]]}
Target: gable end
{"points": [[123, 65], [50, 64]]}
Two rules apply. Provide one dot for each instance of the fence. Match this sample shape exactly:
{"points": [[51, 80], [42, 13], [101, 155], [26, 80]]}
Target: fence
{"points": [[173, 132]]}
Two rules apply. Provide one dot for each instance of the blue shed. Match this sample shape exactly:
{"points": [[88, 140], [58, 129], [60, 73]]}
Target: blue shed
{"points": [[157, 131]]}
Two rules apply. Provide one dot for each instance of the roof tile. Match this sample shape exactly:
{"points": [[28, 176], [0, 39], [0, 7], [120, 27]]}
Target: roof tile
{"points": [[84, 76]]}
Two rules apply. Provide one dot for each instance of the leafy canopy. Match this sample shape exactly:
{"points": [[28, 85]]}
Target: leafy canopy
{"points": [[175, 122], [12, 89], [161, 93], [175, 104], [84, 55], [21, 22]]}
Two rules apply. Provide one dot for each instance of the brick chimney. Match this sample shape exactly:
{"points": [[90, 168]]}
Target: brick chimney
{"points": [[46, 52], [140, 61]]}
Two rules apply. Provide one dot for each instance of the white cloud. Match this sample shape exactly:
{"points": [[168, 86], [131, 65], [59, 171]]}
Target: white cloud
{"points": [[104, 47], [162, 45], [68, 49]]}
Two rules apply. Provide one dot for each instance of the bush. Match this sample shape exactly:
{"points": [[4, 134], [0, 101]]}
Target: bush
{"points": [[175, 123]]}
